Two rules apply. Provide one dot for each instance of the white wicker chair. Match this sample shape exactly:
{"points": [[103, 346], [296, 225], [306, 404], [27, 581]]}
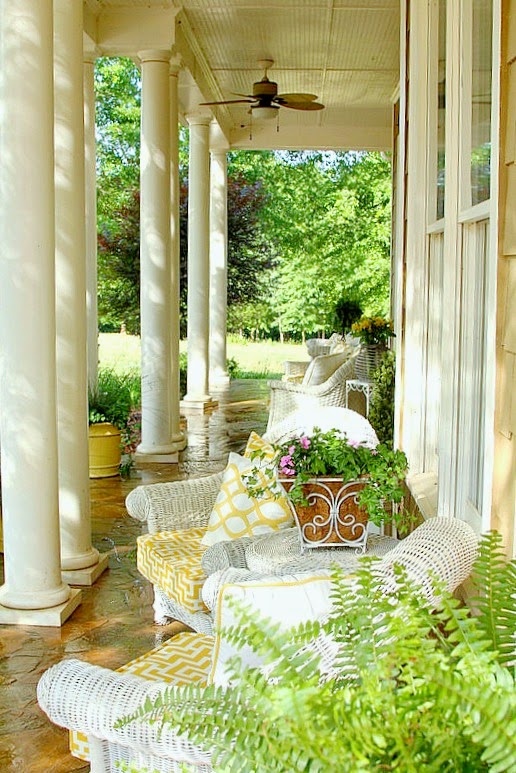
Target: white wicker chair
{"points": [[287, 397], [89, 699]]}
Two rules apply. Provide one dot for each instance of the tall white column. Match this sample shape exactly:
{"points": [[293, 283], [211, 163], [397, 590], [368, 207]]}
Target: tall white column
{"points": [[72, 395], [218, 267], [90, 176], [28, 424], [177, 435], [197, 397], [160, 440]]}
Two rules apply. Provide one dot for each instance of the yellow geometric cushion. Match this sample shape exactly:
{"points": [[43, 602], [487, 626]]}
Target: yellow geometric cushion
{"points": [[236, 514], [257, 444], [183, 659], [172, 561]]}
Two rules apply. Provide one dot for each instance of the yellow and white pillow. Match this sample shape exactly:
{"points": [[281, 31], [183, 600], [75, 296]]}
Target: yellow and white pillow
{"points": [[257, 443], [236, 514], [288, 600]]}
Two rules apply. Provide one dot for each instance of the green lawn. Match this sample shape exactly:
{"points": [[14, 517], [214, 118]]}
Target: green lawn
{"points": [[122, 352]]}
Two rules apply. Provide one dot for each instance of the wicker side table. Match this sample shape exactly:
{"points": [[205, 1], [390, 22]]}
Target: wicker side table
{"points": [[365, 387]]}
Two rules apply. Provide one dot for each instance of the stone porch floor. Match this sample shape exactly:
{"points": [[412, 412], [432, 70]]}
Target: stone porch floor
{"points": [[114, 622]]}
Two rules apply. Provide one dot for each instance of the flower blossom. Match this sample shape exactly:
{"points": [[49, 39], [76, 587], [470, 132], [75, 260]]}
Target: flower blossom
{"points": [[304, 442], [285, 465]]}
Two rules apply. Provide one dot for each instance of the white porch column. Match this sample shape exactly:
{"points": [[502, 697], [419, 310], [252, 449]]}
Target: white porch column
{"points": [[90, 175], [178, 437], [218, 267], [77, 552], [160, 441], [34, 592], [197, 397]]}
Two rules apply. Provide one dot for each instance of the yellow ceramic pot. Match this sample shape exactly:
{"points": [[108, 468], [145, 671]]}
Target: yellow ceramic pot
{"points": [[104, 448]]}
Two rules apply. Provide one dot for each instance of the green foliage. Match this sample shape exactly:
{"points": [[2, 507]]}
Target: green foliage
{"points": [[346, 312], [401, 687], [381, 413], [119, 269], [332, 453], [304, 229], [494, 603], [113, 397], [118, 100]]}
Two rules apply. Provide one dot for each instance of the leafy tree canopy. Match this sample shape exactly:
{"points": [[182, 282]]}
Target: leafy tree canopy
{"points": [[305, 229]]}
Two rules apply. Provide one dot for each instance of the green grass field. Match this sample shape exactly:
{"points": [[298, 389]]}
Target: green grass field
{"points": [[260, 358]]}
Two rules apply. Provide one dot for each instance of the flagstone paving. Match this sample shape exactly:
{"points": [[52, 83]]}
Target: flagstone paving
{"points": [[114, 622]]}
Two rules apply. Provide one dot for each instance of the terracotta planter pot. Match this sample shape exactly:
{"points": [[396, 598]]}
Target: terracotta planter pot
{"points": [[104, 450], [333, 517], [368, 359]]}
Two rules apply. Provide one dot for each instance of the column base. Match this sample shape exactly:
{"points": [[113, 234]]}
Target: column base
{"points": [[88, 575], [202, 404], [53, 616], [83, 561], [161, 454], [148, 458]]}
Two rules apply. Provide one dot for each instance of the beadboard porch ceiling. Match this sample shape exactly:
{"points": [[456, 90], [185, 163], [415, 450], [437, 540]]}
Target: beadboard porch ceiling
{"points": [[344, 51]]}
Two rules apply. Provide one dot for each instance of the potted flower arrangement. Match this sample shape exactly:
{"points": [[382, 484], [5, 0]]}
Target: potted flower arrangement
{"points": [[374, 334], [110, 403], [335, 485]]}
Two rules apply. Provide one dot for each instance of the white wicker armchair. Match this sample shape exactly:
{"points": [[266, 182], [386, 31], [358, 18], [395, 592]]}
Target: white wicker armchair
{"points": [[287, 397], [89, 699]]}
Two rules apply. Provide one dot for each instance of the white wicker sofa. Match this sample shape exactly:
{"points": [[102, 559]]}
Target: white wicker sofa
{"points": [[89, 699], [171, 555]]}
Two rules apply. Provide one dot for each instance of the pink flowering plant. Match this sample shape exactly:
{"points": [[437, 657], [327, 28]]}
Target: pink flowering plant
{"points": [[333, 454]]}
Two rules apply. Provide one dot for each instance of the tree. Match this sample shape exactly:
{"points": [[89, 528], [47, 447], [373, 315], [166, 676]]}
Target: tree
{"points": [[118, 101], [119, 269]]}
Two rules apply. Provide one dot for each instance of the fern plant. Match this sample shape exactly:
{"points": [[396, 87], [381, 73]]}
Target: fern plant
{"points": [[385, 684]]}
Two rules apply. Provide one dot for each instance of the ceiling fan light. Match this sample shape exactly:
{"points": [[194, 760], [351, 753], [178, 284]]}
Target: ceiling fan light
{"points": [[265, 113]]}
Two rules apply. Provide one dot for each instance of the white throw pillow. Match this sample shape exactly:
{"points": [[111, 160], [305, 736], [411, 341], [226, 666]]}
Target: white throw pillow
{"points": [[321, 368], [289, 600], [236, 514]]}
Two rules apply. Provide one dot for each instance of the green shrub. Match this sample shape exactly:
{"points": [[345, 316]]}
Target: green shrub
{"points": [[408, 688], [113, 397], [381, 412]]}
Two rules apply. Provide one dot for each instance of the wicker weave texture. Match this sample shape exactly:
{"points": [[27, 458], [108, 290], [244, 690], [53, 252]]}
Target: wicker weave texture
{"points": [[80, 696], [173, 506], [288, 397]]}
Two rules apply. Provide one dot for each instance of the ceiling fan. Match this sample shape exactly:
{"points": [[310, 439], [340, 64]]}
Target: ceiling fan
{"points": [[265, 101]]}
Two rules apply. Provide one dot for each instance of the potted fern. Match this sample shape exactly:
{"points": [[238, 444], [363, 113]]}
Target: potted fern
{"points": [[110, 403]]}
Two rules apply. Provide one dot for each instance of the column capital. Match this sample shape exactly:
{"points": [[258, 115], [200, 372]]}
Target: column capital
{"points": [[219, 152], [175, 65], [198, 119], [90, 55], [154, 55]]}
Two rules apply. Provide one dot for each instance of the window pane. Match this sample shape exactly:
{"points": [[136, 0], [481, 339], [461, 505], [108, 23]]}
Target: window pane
{"points": [[482, 25], [441, 108]]}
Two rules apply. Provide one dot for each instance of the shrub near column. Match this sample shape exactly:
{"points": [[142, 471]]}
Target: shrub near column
{"points": [[110, 403]]}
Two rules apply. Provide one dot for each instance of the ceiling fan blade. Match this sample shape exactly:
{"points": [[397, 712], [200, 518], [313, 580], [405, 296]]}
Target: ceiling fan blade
{"points": [[297, 97], [229, 102], [303, 105]]}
